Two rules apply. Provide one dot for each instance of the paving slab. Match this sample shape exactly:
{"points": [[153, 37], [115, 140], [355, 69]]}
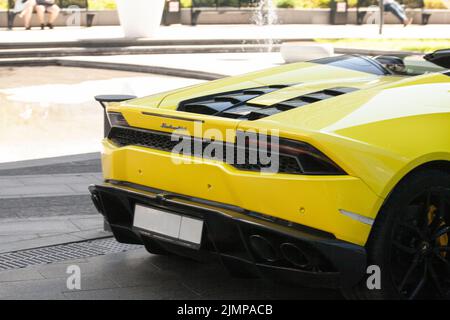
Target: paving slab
{"points": [[88, 224], [137, 274], [47, 185], [20, 234], [93, 234], [15, 238], [21, 227], [35, 191], [56, 179], [168, 291], [20, 275], [52, 288], [47, 206], [38, 210], [77, 163], [59, 270], [37, 242], [229, 31], [36, 296]]}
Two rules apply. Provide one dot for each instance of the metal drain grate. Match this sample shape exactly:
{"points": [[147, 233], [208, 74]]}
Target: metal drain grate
{"points": [[70, 251]]}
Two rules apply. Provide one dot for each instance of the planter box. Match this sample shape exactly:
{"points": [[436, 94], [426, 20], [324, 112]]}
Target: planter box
{"points": [[245, 16], [301, 16], [140, 18], [438, 16], [102, 18]]}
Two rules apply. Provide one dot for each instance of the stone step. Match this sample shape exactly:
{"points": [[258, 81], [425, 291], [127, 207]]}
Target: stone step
{"points": [[101, 51], [120, 43], [33, 186]]}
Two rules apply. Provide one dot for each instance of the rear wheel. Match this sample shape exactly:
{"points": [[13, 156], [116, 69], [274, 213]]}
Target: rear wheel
{"points": [[410, 241]]}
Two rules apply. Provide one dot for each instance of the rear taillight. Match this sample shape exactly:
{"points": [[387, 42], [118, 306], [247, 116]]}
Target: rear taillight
{"points": [[311, 160], [294, 157]]}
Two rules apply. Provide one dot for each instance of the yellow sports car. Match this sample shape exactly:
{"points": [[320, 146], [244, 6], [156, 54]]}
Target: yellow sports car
{"points": [[329, 173]]}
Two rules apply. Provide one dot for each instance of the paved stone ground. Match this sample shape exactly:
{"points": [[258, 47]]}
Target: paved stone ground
{"points": [[82, 163], [47, 185], [139, 275], [49, 207]]}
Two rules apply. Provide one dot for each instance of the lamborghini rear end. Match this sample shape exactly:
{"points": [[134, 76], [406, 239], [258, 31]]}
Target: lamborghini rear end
{"points": [[221, 171]]}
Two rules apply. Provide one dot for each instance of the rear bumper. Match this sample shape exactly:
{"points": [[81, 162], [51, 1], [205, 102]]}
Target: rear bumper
{"points": [[296, 198], [279, 249]]}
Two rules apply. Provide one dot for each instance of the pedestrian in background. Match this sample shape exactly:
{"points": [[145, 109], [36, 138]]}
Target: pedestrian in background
{"points": [[25, 9], [398, 11], [49, 6]]}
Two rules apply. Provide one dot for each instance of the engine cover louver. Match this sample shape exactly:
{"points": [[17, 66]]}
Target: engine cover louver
{"points": [[229, 105], [236, 104]]}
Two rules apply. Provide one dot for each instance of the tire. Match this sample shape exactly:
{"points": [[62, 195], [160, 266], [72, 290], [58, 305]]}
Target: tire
{"points": [[409, 241]]}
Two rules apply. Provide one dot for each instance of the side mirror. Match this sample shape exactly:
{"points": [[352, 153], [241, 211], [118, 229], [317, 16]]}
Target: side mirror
{"points": [[392, 63], [105, 99], [440, 58]]}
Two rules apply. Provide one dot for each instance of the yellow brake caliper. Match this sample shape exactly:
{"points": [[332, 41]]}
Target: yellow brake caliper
{"points": [[442, 240]]}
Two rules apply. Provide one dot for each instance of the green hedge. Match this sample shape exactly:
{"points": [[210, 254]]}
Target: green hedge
{"points": [[102, 4]]}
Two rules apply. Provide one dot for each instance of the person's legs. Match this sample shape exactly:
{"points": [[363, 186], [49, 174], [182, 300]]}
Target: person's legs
{"points": [[40, 11], [398, 11], [27, 12], [23, 10], [54, 12]]}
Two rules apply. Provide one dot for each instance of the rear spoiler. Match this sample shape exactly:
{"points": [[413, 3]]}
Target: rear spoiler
{"points": [[440, 58]]}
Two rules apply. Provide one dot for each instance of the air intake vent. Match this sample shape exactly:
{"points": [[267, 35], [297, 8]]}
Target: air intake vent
{"points": [[235, 104], [298, 102], [312, 98], [220, 104]]}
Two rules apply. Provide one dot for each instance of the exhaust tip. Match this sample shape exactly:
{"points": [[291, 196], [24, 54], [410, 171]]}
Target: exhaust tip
{"points": [[294, 255], [263, 248]]}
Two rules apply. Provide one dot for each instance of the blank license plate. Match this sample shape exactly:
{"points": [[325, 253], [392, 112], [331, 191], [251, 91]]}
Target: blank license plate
{"points": [[168, 224]]}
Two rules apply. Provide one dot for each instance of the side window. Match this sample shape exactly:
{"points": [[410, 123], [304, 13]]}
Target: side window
{"points": [[356, 63]]}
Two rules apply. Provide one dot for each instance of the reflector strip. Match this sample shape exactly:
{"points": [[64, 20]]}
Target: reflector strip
{"points": [[357, 217]]}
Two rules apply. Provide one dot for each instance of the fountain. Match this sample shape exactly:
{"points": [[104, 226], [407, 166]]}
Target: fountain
{"points": [[266, 15]]}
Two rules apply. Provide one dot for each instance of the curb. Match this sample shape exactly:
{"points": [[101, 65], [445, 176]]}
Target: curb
{"points": [[182, 73], [49, 161], [114, 43], [99, 51], [371, 52]]}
